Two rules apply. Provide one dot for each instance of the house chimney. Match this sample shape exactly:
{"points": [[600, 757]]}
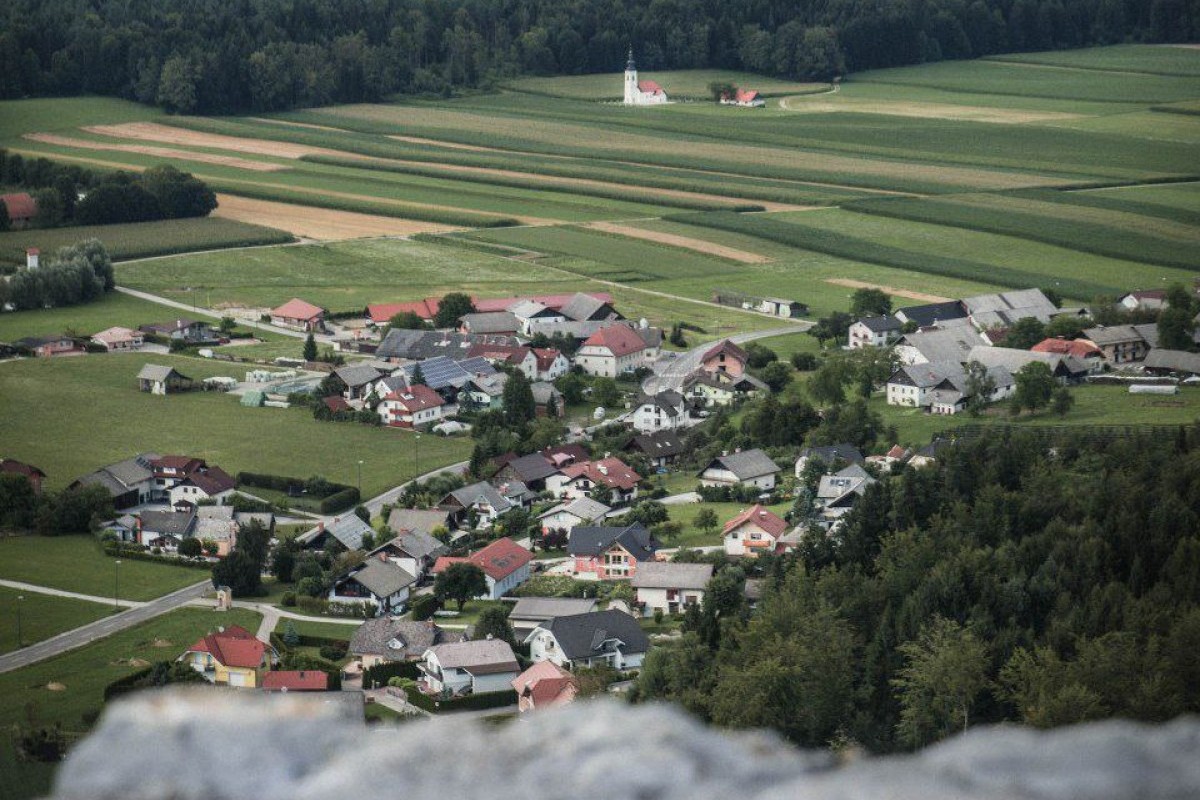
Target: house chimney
{"points": [[31, 257]]}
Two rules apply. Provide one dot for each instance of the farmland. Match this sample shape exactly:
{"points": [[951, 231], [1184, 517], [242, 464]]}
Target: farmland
{"points": [[112, 309], [43, 616], [684, 84]]}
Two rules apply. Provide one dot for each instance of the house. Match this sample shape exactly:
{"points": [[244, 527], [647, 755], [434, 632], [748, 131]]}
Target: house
{"points": [[725, 358], [1144, 300], [743, 98], [584, 307], [124, 527], [130, 482], [910, 385], [550, 364], [612, 351], [376, 582], [505, 566], [382, 313], [544, 685], [1171, 362], [519, 356], [415, 552], [931, 314], [384, 640], [183, 330], [299, 315], [611, 553], [460, 668], [157, 379], [1080, 349], [1066, 368], [412, 407], [565, 516], [1002, 309], [49, 346], [402, 345], [600, 638], [231, 656], [896, 455], [641, 93], [344, 532], [484, 392], [828, 455], [944, 388], [874, 332], [1122, 344], [202, 483], [936, 345], [217, 524], [119, 340], [165, 529], [22, 209], [547, 399], [485, 500], [753, 531], [31, 473], [302, 680], [837, 493], [490, 322], [404, 520], [530, 612], [527, 313], [706, 389], [532, 470], [663, 411], [745, 468], [660, 448], [360, 379], [609, 480], [670, 587]]}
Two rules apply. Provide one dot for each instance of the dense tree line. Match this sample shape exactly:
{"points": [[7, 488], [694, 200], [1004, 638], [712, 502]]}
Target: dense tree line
{"points": [[1040, 578], [51, 514], [213, 56], [67, 194], [75, 274]]}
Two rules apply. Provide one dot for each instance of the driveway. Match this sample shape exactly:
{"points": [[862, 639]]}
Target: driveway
{"points": [[671, 368]]}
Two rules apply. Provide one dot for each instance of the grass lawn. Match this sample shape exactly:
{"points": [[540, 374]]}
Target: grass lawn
{"points": [[84, 673], [306, 627], [112, 309], [375, 712], [77, 564], [43, 616], [208, 425], [470, 613], [685, 514]]}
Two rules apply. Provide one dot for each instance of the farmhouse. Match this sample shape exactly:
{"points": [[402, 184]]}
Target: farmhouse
{"points": [[931, 314], [157, 379], [837, 493], [231, 656], [165, 529], [1066, 368], [664, 411], [1080, 349], [609, 480], [519, 356], [1001, 310], [744, 98], [600, 638], [299, 315], [459, 668], [725, 358], [412, 407], [874, 332], [359, 379], [129, 482], [670, 588], [1144, 300], [1122, 344], [202, 483], [746, 468], [1171, 362], [385, 640], [119, 340], [641, 93], [612, 351], [532, 470], [505, 565], [22, 209], [401, 345], [184, 330], [490, 322], [753, 531], [931, 346]]}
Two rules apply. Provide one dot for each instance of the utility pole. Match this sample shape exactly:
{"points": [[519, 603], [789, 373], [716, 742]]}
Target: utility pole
{"points": [[360, 479], [20, 602], [116, 584], [417, 455]]}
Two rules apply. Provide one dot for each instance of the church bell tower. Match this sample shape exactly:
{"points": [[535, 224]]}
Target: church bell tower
{"points": [[631, 90]]}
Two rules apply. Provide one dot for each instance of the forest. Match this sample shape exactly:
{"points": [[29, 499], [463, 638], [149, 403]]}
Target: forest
{"points": [[1046, 577], [221, 56]]}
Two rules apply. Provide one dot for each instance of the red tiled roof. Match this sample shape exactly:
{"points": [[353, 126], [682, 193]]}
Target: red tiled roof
{"points": [[426, 309], [769, 521], [20, 468], [298, 309], [498, 560], [213, 480], [336, 403], [649, 86], [513, 354], [727, 347], [746, 95], [184, 463], [547, 684], [443, 563], [620, 340], [20, 205], [381, 313], [611, 472], [233, 647], [896, 452], [417, 398], [303, 680], [1080, 348], [545, 357]]}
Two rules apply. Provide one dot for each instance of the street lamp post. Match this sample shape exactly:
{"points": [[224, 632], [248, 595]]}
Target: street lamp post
{"points": [[417, 455], [360, 479], [116, 584], [20, 602]]}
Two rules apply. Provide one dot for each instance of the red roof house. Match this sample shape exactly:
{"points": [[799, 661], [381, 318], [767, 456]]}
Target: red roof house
{"points": [[585, 478], [755, 530], [408, 408], [22, 208], [303, 680], [297, 313], [381, 313], [1080, 348], [544, 685], [611, 351], [231, 656], [505, 564]]}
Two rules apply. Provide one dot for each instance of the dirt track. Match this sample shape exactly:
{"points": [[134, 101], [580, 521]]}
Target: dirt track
{"points": [[319, 223], [699, 245], [922, 296], [153, 132], [150, 150], [1008, 116]]}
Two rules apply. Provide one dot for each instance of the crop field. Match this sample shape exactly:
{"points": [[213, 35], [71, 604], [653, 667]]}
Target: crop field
{"points": [[209, 425], [1148, 59], [42, 616], [692, 83]]}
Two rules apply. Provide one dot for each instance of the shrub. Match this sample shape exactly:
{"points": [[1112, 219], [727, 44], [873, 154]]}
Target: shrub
{"points": [[424, 606], [381, 674], [288, 600], [339, 500], [658, 616], [333, 652]]}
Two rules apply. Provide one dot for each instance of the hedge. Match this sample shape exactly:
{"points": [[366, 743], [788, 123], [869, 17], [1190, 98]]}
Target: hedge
{"points": [[507, 697], [339, 500], [117, 551], [281, 483], [127, 684], [378, 675]]}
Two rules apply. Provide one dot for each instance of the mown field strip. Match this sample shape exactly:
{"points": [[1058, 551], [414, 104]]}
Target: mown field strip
{"points": [[965, 113], [911, 295], [150, 150], [322, 224], [154, 132], [675, 240]]}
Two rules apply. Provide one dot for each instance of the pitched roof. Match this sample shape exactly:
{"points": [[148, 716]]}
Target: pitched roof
{"points": [[155, 372], [585, 508], [882, 324], [416, 398], [930, 313], [728, 348], [348, 530], [1013, 359], [668, 401], [586, 540], [944, 344], [358, 374], [20, 468], [115, 334], [1173, 360], [297, 309], [832, 452], [1080, 348], [928, 375], [851, 480], [20, 205], [398, 639], [761, 516], [663, 575], [211, 480], [546, 357], [546, 685], [533, 467], [381, 313], [491, 322], [467, 496], [1103, 335], [381, 577], [233, 647], [420, 345], [416, 519], [526, 309], [483, 657], [660, 444], [747, 464], [611, 472], [584, 635], [414, 544], [538, 609], [543, 391], [1005, 308], [301, 680], [650, 87], [501, 558], [583, 307], [620, 340], [168, 523]]}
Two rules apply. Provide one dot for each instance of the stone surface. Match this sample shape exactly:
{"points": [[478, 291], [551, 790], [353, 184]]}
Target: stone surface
{"points": [[229, 744]]}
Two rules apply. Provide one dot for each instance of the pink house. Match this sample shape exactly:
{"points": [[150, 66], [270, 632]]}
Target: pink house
{"points": [[544, 685], [726, 359], [753, 531]]}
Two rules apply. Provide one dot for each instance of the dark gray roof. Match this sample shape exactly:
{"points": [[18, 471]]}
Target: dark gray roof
{"points": [[348, 530], [543, 391], [1105, 335], [533, 467], [381, 578], [881, 324], [417, 519], [491, 322], [442, 371], [663, 575], [747, 464], [591, 541], [1173, 360], [926, 376], [830, 453], [583, 307], [358, 374], [171, 523], [398, 639], [585, 635], [661, 444], [415, 544], [122, 476], [540, 609], [468, 495], [155, 372], [669, 401], [930, 313]]}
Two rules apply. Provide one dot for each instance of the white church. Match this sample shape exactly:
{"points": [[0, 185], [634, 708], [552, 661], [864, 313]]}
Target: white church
{"points": [[641, 93]]}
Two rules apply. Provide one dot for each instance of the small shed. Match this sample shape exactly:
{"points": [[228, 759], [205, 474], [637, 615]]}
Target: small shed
{"points": [[157, 379]]}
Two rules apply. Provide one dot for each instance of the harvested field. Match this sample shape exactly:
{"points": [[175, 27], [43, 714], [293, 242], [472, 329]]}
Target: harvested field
{"points": [[475, 148], [153, 132], [892, 290], [1004, 116], [151, 150], [686, 242], [319, 223], [289, 123]]}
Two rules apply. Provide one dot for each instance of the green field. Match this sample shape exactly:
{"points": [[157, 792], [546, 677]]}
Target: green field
{"points": [[692, 83], [42, 616], [83, 674], [77, 564], [143, 239], [685, 514], [112, 309], [1150, 59], [213, 426], [305, 627]]}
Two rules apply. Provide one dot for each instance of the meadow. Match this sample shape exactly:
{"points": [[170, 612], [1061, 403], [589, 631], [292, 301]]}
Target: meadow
{"points": [[678, 84], [114, 308], [42, 616], [77, 564], [102, 418]]}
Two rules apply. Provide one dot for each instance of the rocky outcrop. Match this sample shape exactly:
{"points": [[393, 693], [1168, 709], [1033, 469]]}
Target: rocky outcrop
{"points": [[213, 745]]}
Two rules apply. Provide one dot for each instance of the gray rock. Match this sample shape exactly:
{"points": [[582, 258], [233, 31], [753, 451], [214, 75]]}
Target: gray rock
{"points": [[237, 744]]}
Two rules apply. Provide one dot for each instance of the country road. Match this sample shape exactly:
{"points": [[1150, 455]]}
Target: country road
{"points": [[670, 370], [86, 634]]}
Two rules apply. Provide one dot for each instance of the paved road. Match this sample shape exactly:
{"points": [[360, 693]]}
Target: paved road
{"points": [[86, 634], [91, 598], [670, 370]]}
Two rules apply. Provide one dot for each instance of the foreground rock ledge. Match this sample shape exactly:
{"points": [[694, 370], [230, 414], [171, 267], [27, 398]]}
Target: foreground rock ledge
{"points": [[212, 745]]}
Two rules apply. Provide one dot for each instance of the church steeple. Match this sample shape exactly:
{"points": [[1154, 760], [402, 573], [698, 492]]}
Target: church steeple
{"points": [[629, 65]]}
